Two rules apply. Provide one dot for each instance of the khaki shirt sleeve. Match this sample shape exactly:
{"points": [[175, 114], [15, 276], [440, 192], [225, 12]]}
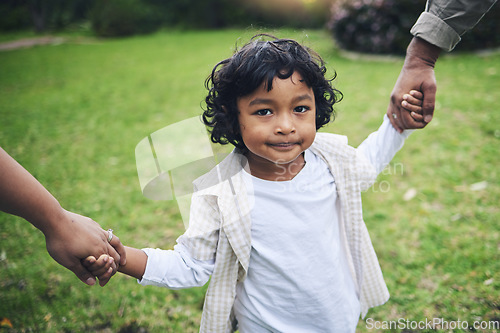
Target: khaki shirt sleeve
{"points": [[201, 238], [444, 21]]}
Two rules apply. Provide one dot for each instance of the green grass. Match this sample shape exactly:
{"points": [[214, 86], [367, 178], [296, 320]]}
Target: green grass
{"points": [[73, 113]]}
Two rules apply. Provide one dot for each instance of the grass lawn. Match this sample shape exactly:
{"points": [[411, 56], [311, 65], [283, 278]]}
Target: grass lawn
{"points": [[72, 115]]}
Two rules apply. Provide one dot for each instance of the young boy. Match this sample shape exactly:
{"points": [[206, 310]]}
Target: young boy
{"points": [[277, 225]]}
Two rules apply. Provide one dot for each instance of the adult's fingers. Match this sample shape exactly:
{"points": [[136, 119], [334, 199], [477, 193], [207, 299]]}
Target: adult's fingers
{"points": [[401, 118], [117, 246], [393, 113]]}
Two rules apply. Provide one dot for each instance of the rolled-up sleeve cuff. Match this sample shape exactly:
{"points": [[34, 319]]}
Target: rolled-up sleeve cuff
{"points": [[150, 272], [435, 31]]}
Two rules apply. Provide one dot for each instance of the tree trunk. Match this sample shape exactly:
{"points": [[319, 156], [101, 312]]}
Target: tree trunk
{"points": [[38, 11]]}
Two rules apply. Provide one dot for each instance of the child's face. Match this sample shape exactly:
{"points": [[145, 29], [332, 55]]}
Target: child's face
{"points": [[278, 125]]}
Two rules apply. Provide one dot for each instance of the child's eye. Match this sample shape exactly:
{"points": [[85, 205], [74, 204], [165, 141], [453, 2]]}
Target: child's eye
{"points": [[263, 112], [301, 109]]}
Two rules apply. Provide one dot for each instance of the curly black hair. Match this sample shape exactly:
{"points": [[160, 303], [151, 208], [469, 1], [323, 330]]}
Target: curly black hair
{"points": [[261, 60]]}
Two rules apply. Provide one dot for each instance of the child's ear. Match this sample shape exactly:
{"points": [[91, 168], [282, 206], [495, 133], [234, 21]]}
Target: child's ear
{"points": [[224, 109]]}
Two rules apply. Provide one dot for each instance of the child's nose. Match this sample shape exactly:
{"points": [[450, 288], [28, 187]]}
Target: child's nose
{"points": [[285, 125]]}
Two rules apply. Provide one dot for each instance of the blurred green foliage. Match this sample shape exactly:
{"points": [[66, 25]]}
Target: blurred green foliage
{"points": [[115, 18], [111, 18], [42, 15]]}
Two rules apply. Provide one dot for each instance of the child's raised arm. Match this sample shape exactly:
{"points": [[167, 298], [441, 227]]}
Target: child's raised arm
{"points": [[412, 102]]}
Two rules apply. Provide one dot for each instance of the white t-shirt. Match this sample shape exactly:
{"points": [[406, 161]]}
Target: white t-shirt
{"points": [[298, 278]]}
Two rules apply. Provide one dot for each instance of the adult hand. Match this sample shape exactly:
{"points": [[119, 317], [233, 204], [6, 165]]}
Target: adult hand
{"points": [[78, 237], [417, 74], [69, 237]]}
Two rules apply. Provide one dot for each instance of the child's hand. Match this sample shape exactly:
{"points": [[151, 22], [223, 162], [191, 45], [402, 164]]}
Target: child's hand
{"points": [[412, 102], [102, 268]]}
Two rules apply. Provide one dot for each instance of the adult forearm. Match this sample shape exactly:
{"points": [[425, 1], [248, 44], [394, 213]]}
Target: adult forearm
{"points": [[421, 53], [22, 195]]}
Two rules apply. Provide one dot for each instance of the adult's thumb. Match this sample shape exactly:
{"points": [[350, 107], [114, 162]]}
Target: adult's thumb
{"points": [[429, 102]]}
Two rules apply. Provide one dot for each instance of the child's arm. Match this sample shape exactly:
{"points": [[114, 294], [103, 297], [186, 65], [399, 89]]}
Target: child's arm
{"points": [[102, 267], [412, 102], [380, 146], [136, 263]]}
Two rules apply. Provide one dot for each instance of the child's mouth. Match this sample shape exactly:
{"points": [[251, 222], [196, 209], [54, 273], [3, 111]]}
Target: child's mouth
{"points": [[283, 145]]}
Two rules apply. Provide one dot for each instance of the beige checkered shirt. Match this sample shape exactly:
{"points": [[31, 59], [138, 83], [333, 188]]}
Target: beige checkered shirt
{"points": [[220, 228]]}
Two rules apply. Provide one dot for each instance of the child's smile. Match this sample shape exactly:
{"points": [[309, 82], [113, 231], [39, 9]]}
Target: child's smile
{"points": [[277, 126]]}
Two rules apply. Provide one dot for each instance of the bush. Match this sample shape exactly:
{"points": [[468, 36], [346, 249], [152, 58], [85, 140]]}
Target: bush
{"points": [[111, 18], [196, 14], [288, 13], [46, 15], [15, 16], [383, 26], [374, 26], [117, 18], [202, 14]]}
